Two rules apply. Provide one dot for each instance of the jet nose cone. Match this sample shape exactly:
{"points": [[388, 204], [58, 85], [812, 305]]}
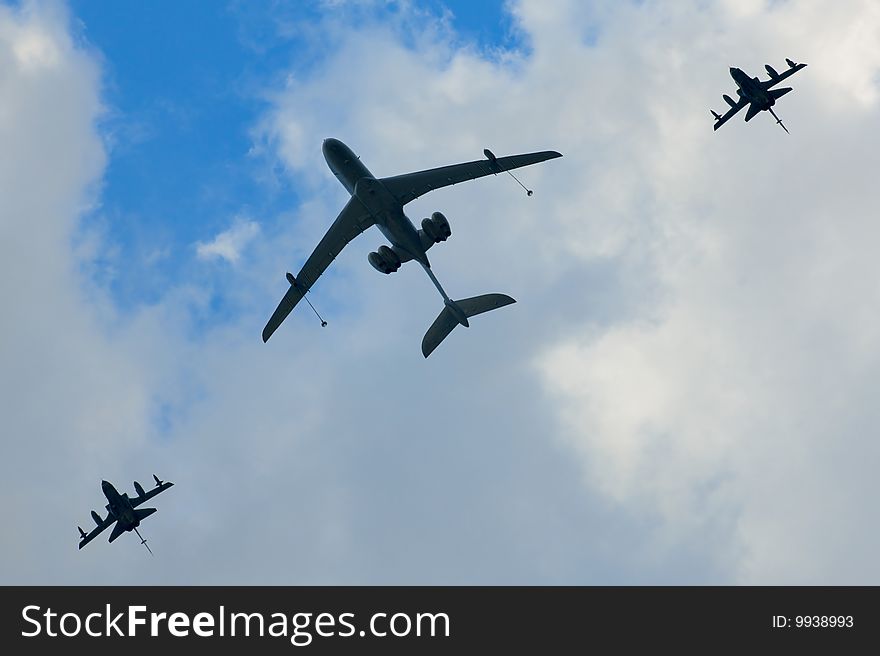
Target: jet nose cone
{"points": [[330, 144]]}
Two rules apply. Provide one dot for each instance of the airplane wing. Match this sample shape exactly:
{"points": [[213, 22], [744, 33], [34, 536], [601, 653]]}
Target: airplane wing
{"points": [[85, 538], [776, 78], [352, 221], [161, 487], [721, 120], [409, 186]]}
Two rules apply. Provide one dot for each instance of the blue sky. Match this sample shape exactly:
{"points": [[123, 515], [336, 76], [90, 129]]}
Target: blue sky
{"points": [[185, 84], [683, 392]]}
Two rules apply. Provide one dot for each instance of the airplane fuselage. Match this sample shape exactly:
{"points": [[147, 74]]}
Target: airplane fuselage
{"points": [[384, 207], [751, 89], [380, 202], [119, 507]]}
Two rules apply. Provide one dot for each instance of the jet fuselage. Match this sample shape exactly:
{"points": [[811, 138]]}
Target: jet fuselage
{"points": [[119, 506], [385, 208], [750, 88]]}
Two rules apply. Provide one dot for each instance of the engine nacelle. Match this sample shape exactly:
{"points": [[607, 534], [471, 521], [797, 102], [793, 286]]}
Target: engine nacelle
{"points": [[96, 517], [428, 229], [138, 489], [437, 228], [384, 260], [442, 225], [771, 71]]}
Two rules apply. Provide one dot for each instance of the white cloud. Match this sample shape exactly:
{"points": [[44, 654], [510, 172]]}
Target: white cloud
{"points": [[682, 393], [229, 244], [708, 296], [739, 385], [71, 401]]}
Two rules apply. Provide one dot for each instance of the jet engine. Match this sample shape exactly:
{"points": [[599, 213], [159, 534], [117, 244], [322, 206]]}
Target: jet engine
{"points": [[384, 260], [138, 489], [96, 517], [437, 227]]}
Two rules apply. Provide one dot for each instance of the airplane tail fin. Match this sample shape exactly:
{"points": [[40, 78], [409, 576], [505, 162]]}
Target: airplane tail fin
{"points": [[143, 512], [447, 319]]}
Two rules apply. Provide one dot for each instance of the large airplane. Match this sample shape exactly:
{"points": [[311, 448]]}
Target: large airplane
{"points": [[758, 95], [379, 202], [121, 510]]}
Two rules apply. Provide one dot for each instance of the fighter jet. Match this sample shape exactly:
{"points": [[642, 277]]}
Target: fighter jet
{"points": [[379, 202], [758, 95], [121, 510]]}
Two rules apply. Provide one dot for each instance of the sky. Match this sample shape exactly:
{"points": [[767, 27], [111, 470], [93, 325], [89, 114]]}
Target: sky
{"points": [[682, 394]]}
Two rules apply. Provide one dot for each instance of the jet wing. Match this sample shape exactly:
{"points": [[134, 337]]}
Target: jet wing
{"points": [[149, 495], [791, 70], [721, 120], [352, 221], [409, 186], [85, 539]]}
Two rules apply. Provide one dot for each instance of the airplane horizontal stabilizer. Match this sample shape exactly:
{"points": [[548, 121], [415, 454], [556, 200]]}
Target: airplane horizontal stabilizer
{"points": [[144, 512], [778, 93], [479, 304], [116, 532], [446, 321], [439, 330], [752, 111]]}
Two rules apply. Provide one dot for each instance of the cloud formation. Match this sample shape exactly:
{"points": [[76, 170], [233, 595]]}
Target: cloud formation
{"points": [[228, 244], [699, 339], [71, 399], [682, 393]]}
